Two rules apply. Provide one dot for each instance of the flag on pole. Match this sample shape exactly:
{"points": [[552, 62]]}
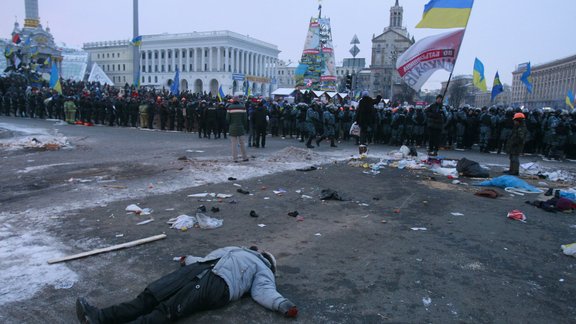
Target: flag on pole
{"points": [[8, 50], [221, 94], [175, 87], [16, 39], [247, 90], [570, 99], [98, 75], [527, 78], [137, 41], [446, 14], [497, 87], [55, 79], [427, 56], [137, 80], [478, 75]]}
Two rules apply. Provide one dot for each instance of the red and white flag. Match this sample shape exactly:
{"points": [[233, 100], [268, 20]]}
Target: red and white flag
{"points": [[427, 56]]}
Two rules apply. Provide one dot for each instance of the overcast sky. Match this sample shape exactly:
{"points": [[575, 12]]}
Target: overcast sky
{"points": [[501, 33]]}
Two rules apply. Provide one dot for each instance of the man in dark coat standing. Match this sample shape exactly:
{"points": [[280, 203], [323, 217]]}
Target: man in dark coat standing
{"points": [[434, 123], [365, 115], [515, 143]]}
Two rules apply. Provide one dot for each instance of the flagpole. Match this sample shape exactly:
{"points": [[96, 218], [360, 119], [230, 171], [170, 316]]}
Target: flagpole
{"points": [[455, 61]]}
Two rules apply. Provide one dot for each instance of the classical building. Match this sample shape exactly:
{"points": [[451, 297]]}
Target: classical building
{"points": [[482, 99], [386, 48], [208, 60], [551, 82], [285, 74], [115, 59], [205, 60]]}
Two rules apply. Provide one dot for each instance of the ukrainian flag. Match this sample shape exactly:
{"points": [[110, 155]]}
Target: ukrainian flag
{"points": [[221, 94], [446, 14], [55, 79], [497, 88], [570, 99], [478, 76], [526, 78], [137, 41]]}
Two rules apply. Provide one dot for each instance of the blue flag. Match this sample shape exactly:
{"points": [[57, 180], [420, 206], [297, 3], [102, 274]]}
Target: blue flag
{"points": [[497, 88], [175, 87], [527, 78], [570, 99], [221, 94], [478, 75], [247, 90], [55, 78]]}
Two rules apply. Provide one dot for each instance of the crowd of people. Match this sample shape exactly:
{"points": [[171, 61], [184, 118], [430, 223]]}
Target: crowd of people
{"points": [[550, 133]]}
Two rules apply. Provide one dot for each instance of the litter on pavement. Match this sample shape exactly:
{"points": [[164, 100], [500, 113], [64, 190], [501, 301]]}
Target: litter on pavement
{"points": [[517, 215], [133, 208], [569, 249]]}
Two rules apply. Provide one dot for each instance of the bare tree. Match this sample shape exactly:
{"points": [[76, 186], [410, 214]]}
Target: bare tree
{"points": [[457, 92]]}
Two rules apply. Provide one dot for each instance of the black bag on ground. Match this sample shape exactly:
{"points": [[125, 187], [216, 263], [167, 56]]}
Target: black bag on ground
{"points": [[469, 168]]}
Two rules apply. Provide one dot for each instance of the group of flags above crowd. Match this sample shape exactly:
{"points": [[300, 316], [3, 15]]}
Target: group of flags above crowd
{"points": [[437, 52]]}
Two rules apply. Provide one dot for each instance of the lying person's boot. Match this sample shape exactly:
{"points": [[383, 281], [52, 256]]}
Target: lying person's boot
{"points": [[87, 314]]}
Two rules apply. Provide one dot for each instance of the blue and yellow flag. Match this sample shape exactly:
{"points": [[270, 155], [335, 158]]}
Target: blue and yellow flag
{"points": [[446, 14], [497, 87], [55, 79], [247, 90], [137, 80], [221, 94], [137, 41], [527, 78], [478, 75], [570, 99], [8, 51]]}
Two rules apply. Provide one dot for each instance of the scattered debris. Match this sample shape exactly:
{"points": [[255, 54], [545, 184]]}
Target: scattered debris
{"points": [[517, 215], [119, 235], [253, 214], [472, 169], [182, 222], [310, 168], [329, 194], [210, 194], [279, 192], [426, 301], [133, 208], [569, 249], [242, 191], [262, 225], [418, 228], [318, 234], [299, 218], [489, 193], [183, 158], [214, 209], [306, 197], [293, 213], [507, 181], [207, 222], [146, 221], [457, 214], [231, 179]]}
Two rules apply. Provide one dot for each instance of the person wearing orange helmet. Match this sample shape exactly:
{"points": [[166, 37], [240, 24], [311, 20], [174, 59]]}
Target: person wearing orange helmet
{"points": [[515, 143]]}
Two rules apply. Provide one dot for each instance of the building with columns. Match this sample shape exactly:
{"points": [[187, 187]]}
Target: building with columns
{"points": [[115, 59], [550, 84], [205, 60]]}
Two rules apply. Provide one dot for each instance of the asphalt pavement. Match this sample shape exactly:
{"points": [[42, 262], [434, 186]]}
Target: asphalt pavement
{"points": [[402, 246]]}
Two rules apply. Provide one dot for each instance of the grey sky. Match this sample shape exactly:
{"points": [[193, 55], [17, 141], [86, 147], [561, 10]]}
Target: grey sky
{"points": [[501, 33]]}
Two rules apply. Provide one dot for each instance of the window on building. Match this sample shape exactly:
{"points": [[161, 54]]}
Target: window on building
{"points": [[149, 55], [118, 67], [112, 67], [156, 79], [183, 67], [169, 68], [112, 55], [149, 79], [149, 68], [205, 53], [124, 67], [107, 55], [143, 56], [162, 69], [117, 54], [176, 54], [143, 79], [143, 68], [190, 67], [162, 54], [155, 55], [184, 54], [124, 79], [205, 67], [98, 55]]}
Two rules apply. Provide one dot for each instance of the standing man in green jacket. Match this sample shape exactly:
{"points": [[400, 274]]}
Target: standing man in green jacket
{"points": [[515, 143], [237, 121]]}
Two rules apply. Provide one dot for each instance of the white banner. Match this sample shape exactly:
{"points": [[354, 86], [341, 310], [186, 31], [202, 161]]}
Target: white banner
{"points": [[98, 75], [427, 56]]}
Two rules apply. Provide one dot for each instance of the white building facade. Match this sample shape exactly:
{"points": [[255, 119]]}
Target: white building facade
{"points": [[115, 59], [208, 60]]}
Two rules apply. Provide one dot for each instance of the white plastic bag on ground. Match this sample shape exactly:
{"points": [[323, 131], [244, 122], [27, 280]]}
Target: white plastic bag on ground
{"points": [[182, 221], [445, 171], [133, 208], [569, 249], [207, 222], [404, 150]]}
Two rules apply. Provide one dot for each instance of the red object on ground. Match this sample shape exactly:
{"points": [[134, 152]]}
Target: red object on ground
{"points": [[517, 215], [292, 312]]}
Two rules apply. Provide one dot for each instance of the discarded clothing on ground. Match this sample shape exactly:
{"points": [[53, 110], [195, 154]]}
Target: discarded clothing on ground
{"points": [[329, 194], [554, 204], [469, 168], [310, 168], [488, 193]]}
